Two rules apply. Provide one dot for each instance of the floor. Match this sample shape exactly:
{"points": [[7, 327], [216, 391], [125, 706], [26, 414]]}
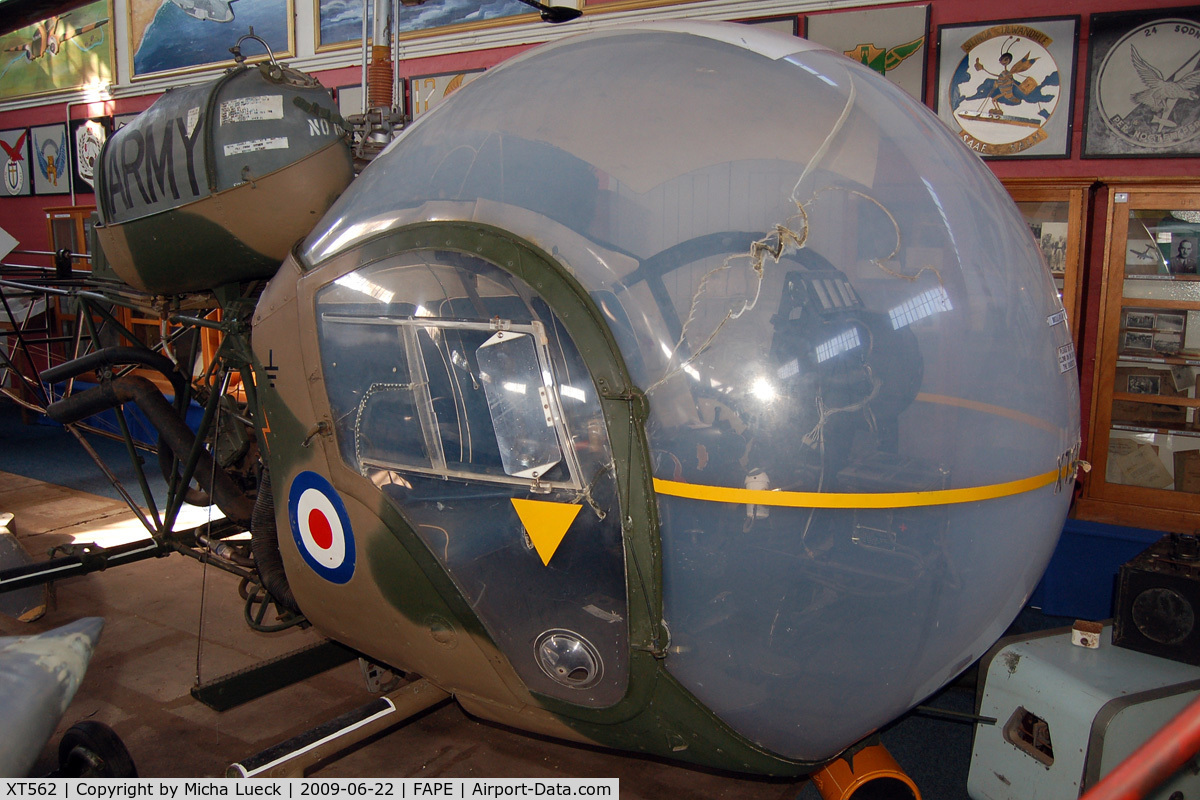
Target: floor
{"points": [[170, 623]]}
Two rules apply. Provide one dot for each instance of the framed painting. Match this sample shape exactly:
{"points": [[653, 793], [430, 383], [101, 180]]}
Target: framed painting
{"points": [[51, 153], [339, 22], [891, 41], [789, 24], [1143, 70], [1006, 87], [86, 139], [429, 90], [62, 52], [172, 36], [18, 181]]}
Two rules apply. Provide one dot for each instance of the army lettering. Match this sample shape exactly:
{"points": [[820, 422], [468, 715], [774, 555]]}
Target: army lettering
{"points": [[142, 171], [162, 168], [189, 142]]}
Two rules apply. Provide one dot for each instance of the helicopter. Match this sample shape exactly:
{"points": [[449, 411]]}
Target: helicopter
{"points": [[722, 419]]}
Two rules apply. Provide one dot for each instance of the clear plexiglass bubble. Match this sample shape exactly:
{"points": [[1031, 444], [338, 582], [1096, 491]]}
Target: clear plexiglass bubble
{"points": [[820, 290]]}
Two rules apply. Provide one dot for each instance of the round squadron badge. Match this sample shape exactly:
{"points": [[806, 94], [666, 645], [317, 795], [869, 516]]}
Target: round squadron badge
{"points": [[89, 138], [1005, 90], [1147, 88], [321, 527]]}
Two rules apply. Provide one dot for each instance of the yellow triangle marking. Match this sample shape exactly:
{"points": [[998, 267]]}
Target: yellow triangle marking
{"points": [[546, 523]]}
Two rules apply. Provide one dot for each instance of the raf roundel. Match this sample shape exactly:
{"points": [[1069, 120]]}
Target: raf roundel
{"points": [[321, 527]]}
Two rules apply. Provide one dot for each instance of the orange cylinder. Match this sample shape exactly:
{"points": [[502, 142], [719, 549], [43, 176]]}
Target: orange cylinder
{"points": [[379, 77], [842, 778]]}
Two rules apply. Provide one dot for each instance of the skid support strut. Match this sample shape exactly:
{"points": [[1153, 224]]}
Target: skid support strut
{"points": [[291, 758]]}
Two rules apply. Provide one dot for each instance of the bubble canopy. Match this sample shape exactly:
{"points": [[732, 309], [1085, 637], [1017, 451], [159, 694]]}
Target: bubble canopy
{"points": [[863, 405]]}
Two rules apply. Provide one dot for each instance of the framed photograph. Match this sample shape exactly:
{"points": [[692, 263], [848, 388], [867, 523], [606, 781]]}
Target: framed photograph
{"points": [[1137, 340], [1146, 380], [428, 90], [789, 24], [1182, 260], [64, 51], [1006, 87], [1168, 343], [1143, 255], [18, 181], [1052, 238], [172, 36], [891, 41], [1170, 323], [1139, 319], [87, 137], [1143, 384], [1142, 68], [51, 154]]}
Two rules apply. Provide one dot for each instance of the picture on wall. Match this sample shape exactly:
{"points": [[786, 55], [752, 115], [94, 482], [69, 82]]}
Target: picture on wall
{"points": [[51, 153], [65, 51], [18, 182], [168, 36], [1143, 76], [1183, 255], [429, 90], [789, 24], [1052, 238], [340, 21], [891, 41], [87, 137], [1005, 87], [349, 99]]}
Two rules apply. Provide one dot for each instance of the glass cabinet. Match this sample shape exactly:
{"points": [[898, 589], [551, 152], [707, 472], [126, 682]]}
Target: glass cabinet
{"points": [[1056, 211], [1145, 437]]}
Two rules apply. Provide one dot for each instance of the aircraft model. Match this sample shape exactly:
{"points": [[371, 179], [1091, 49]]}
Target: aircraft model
{"points": [[211, 10], [675, 418], [49, 36]]}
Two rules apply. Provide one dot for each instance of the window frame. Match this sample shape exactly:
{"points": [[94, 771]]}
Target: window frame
{"points": [[423, 399]]}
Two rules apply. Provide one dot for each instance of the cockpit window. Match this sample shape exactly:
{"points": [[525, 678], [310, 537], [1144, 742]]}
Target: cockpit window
{"points": [[521, 405], [469, 384]]}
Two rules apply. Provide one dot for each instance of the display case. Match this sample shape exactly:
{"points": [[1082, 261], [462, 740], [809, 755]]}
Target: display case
{"points": [[69, 227], [1056, 211], [1145, 434]]}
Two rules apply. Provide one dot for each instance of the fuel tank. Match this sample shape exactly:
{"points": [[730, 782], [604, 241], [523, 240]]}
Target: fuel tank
{"points": [[214, 183]]}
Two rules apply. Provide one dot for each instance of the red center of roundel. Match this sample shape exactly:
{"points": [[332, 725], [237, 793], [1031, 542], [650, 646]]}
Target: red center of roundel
{"points": [[319, 529]]}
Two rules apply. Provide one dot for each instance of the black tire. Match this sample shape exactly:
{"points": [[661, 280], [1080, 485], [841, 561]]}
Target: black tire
{"points": [[93, 750]]}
